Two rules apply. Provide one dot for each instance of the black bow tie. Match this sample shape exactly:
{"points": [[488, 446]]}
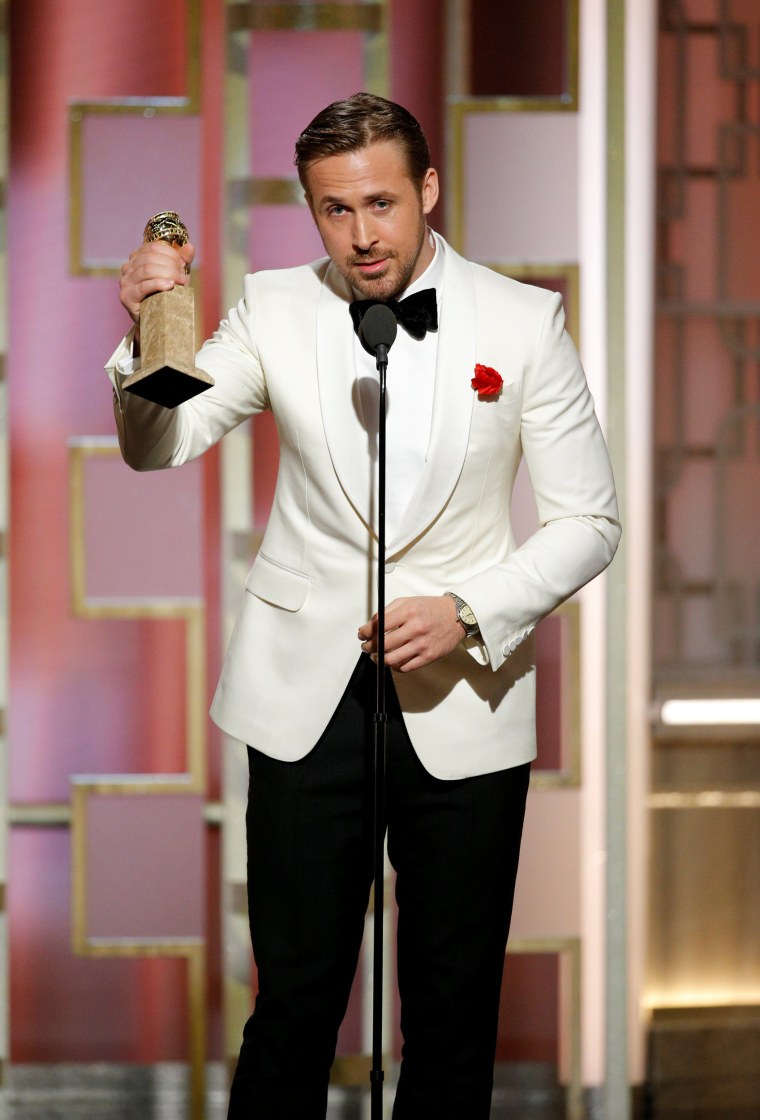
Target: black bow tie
{"points": [[417, 314]]}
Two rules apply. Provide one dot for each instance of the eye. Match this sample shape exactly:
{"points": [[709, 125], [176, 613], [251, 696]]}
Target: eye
{"points": [[382, 204], [337, 210]]}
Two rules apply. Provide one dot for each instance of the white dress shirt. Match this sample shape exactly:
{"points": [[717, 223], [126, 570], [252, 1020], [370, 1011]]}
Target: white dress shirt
{"points": [[410, 384]]}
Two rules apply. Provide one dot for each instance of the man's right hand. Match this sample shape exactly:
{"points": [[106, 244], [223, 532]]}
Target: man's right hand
{"points": [[155, 267]]}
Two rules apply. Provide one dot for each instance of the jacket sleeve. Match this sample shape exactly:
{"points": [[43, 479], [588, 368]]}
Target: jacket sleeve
{"points": [[572, 482], [152, 437]]}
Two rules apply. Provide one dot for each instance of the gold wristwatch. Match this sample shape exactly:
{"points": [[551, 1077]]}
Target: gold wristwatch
{"points": [[464, 615]]}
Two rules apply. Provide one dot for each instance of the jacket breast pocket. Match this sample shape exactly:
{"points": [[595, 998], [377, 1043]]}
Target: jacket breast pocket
{"points": [[283, 587]]}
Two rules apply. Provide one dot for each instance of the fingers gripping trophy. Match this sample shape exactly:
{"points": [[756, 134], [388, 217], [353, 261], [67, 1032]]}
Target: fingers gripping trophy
{"points": [[168, 374]]}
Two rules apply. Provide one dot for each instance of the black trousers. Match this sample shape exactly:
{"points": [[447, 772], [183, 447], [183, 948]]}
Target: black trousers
{"points": [[454, 846]]}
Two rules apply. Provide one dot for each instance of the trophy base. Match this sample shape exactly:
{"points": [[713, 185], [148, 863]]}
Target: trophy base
{"points": [[167, 385]]}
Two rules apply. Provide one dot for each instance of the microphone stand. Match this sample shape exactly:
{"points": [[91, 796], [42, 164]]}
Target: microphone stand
{"points": [[377, 332], [377, 1076]]}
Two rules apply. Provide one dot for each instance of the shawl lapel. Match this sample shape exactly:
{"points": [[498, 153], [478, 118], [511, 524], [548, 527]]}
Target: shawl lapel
{"points": [[352, 459], [452, 404]]}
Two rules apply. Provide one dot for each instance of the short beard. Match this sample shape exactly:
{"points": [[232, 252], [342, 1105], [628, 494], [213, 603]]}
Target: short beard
{"points": [[367, 287]]}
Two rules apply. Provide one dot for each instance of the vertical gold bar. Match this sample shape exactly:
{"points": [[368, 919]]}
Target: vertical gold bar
{"points": [[76, 521], [79, 868], [195, 698]]}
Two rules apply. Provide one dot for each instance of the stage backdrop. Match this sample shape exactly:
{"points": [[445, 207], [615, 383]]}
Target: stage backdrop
{"points": [[128, 937]]}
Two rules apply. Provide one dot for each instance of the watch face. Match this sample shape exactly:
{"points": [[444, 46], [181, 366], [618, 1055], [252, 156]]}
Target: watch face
{"points": [[466, 616]]}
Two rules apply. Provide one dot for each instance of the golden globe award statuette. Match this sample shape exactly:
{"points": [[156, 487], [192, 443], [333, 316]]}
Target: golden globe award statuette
{"points": [[167, 374]]}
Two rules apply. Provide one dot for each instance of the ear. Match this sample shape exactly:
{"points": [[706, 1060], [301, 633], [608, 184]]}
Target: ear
{"points": [[429, 190]]}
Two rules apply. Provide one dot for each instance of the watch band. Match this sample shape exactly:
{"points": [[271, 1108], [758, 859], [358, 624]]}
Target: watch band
{"points": [[464, 615]]}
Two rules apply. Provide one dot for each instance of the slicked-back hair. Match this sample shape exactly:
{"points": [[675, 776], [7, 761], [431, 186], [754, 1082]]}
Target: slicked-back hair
{"points": [[357, 122]]}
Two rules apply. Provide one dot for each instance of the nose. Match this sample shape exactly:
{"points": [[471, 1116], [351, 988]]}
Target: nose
{"points": [[363, 233]]}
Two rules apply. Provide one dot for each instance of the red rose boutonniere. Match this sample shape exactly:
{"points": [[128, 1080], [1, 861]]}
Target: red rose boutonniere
{"points": [[486, 382]]}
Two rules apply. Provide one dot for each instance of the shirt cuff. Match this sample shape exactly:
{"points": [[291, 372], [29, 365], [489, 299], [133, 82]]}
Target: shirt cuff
{"points": [[122, 364]]}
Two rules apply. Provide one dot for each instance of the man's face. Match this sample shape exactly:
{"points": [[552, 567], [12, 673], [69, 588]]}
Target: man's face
{"points": [[371, 217]]}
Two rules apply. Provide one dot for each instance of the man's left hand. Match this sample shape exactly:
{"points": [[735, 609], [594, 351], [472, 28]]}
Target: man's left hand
{"points": [[418, 631]]}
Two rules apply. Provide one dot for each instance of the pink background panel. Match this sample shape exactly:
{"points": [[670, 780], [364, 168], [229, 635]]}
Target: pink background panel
{"points": [[97, 696], [521, 187], [693, 240], [134, 167], [282, 237], [76, 50], [710, 101], [551, 652], [744, 11], [708, 387], [145, 870], [143, 531], [667, 121], [547, 899], [699, 635], [688, 512], [740, 244], [417, 49], [702, 11], [293, 76], [80, 1009], [88, 695]]}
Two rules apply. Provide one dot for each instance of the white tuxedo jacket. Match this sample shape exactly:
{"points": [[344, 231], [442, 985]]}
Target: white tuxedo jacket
{"points": [[289, 347]]}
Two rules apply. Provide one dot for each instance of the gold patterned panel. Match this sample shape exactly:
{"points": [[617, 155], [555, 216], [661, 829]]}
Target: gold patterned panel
{"points": [[132, 106], [190, 610], [460, 104], [193, 950], [193, 781]]}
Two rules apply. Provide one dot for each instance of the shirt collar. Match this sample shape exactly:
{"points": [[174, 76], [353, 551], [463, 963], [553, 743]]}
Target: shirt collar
{"points": [[432, 277]]}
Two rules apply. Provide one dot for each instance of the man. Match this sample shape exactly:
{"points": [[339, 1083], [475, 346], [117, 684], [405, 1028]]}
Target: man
{"points": [[298, 687]]}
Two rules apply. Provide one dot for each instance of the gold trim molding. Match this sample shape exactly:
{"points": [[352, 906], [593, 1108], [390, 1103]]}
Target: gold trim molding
{"points": [[306, 17], [459, 77], [191, 610], [274, 192], [125, 106], [460, 104], [57, 814]]}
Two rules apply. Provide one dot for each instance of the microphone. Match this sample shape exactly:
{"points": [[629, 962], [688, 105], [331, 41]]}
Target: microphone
{"points": [[377, 332]]}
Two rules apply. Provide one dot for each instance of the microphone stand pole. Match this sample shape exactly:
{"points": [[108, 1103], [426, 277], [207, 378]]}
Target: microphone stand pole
{"points": [[377, 332], [377, 1075]]}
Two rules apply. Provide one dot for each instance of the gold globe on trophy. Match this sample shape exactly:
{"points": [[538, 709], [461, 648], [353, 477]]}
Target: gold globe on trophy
{"points": [[168, 374]]}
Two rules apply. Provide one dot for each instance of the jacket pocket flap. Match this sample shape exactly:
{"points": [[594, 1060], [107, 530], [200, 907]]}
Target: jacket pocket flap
{"points": [[281, 586]]}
